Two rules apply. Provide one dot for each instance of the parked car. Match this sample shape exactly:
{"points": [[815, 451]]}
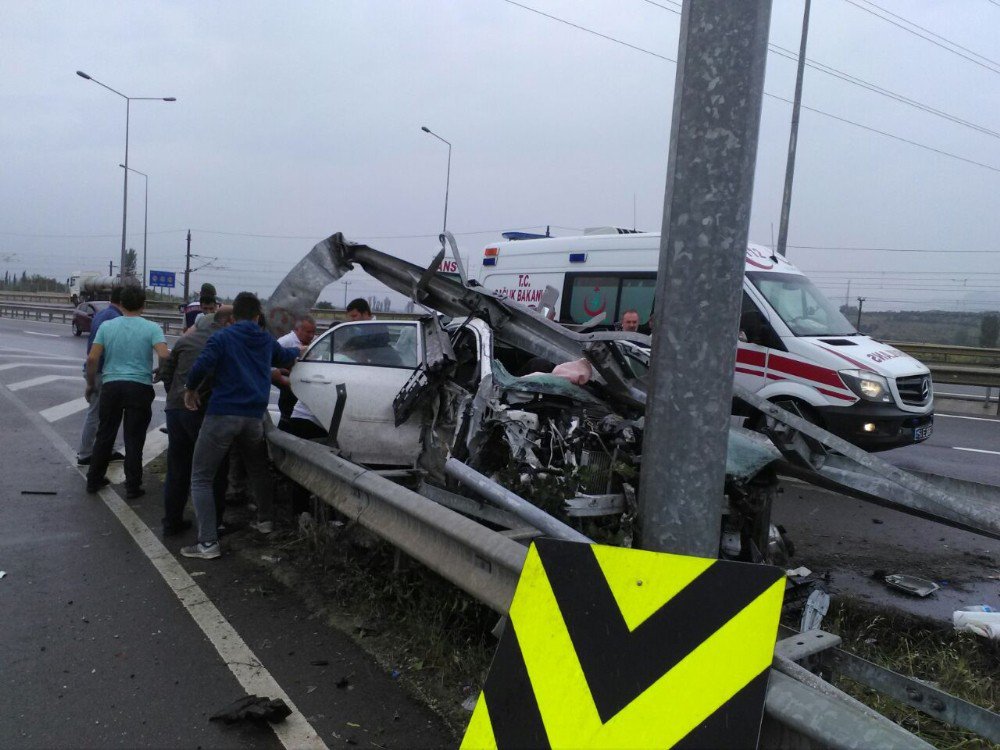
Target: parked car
{"points": [[84, 314]]}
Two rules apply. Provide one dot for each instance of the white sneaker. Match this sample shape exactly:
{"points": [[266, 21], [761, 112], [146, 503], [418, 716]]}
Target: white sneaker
{"points": [[264, 527], [210, 551]]}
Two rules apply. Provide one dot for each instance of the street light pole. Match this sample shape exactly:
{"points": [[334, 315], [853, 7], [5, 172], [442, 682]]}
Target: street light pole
{"points": [[128, 107], [861, 302], [145, 218], [447, 183]]}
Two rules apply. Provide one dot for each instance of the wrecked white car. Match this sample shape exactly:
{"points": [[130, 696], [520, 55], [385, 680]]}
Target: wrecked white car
{"points": [[473, 383]]}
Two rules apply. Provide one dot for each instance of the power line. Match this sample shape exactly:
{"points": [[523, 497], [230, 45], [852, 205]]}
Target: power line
{"points": [[591, 31], [874, 88], [838, 118], [992, 66]]}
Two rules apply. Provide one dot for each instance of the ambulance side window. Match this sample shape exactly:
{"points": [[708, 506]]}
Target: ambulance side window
{"points": [[586, 295], [755, 328]]}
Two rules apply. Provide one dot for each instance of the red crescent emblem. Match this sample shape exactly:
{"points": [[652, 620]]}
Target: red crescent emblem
{"points": [[599, 310]]}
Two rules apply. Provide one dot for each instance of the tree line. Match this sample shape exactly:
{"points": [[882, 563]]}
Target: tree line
{"points": [[11, 282]]}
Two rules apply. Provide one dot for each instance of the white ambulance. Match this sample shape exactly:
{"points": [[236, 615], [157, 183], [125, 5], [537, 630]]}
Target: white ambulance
{"points": [[799, 350]]}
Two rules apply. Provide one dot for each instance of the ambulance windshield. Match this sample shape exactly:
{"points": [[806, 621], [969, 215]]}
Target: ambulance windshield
{"points": [[801, 305]]}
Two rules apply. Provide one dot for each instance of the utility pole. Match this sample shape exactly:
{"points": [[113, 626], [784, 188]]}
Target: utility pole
{"points": [[703, 242], [793, 136], [346, 284], [111, 270], [187, 269], [861, 302]]}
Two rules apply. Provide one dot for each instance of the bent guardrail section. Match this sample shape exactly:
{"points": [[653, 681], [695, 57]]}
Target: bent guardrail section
{"points": [[486, 565]]}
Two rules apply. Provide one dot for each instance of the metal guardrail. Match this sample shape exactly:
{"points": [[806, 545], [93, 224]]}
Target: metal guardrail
{"points": [[800, 709], [949, 355]]}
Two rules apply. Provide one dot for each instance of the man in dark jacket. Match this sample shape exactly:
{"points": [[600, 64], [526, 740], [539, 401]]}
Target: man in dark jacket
{"points": [[183, 425], [240, 357]]}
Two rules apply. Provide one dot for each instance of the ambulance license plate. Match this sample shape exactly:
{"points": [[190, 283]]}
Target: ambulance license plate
{"points": [[922, 433]]}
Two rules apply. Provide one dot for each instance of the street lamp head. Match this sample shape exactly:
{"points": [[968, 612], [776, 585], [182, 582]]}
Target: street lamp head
{"points": [[82, 74], [169, 99], [422, 127]]}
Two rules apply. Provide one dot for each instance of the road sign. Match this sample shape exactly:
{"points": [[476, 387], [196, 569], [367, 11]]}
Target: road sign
{"points": [[163, 278], [613, 647]]}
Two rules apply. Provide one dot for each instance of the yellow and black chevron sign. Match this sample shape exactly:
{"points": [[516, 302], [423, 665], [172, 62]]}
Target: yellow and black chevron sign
{"points": [[618, 648]]}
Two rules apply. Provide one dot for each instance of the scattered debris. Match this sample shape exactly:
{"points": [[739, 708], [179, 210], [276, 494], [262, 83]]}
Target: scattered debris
{"points": [[3, 574], [342, 683], [911, 584], [253, 708], [800, 572], [877, 521], [469, 704], [817, 605], [270, 559], [320, 663], [39, 492], [981, 622]]}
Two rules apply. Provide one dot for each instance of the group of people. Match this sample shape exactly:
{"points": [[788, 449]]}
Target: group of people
{"points": [[218, 379]]}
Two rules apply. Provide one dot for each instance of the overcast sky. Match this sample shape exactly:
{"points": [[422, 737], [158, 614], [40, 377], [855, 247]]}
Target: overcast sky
{"points": [[299, 119]]}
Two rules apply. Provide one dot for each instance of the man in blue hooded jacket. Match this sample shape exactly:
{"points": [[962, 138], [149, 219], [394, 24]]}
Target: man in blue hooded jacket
{"points": [[240, 357]]}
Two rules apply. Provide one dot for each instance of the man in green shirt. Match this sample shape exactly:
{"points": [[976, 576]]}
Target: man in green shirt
{"points": [[127, 344]]}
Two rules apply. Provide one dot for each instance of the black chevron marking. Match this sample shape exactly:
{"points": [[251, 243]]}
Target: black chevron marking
{"points": [[620, 665], [510, 700], [735, 725]]}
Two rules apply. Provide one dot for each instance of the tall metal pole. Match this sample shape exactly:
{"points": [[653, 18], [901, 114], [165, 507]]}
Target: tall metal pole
{"points": [[447, 183], [128, 105], [706, 213], [145, 217], [793, 136], [145, 228], [187, 270], [861, 302]]}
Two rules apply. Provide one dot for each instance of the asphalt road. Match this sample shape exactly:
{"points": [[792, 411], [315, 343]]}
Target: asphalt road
{"points": [[109, 639]]}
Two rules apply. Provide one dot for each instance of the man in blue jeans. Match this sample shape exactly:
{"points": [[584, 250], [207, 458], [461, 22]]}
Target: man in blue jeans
{"points": [[240, 358], [183, 425], [127, 344], [89, 432]]}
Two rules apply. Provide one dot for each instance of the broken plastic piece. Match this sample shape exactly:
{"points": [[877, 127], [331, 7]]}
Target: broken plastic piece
{"points": [[253, 708], [800, 572], [3, 573], [817, 605], [912, 584]]}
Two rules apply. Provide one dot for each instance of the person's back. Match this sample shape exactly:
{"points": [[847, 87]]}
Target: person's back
{"points": [[241, 357], [128, 342]]}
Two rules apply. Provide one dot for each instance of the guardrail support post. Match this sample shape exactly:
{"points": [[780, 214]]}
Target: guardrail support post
{"points": [[710, 171]]}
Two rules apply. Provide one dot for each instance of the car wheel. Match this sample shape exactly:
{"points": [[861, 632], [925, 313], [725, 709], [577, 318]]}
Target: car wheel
{"points": [[795, 406], [76, 329]]}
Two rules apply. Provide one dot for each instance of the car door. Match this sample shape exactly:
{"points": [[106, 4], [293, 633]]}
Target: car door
{"points": [[372, 360]]}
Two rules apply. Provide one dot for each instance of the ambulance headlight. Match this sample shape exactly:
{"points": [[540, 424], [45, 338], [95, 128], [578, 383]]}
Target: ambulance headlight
{"points": [[868, 385]]}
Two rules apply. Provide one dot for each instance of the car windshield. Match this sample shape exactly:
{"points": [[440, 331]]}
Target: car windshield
{"points": [[801, 305]]}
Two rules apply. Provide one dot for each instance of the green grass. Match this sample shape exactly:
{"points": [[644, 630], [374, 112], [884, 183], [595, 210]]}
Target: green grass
{"points": [[962, 664]]}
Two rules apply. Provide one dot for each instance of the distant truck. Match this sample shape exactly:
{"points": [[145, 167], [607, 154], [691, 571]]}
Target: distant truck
{"points": [[88, 286]]}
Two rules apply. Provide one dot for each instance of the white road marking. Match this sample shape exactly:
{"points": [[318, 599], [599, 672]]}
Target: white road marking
{"points": [[293, 732], [156, 443], [32, 354], [63, 410], [962, 416], [40, 380], [15, 365], [976, 450], [39, 333]]}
